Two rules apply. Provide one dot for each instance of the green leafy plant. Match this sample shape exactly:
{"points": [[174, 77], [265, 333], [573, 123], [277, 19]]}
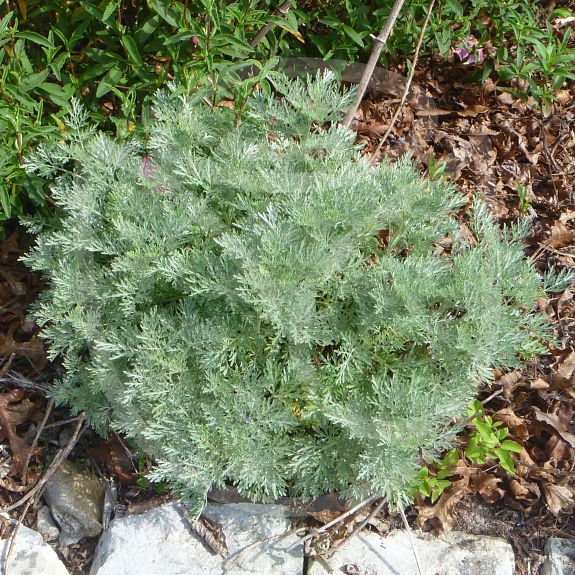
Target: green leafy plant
{"points": [[514, 38], [432, 483], [114, 55], [524, 203], [487, 441], [252, 302]]}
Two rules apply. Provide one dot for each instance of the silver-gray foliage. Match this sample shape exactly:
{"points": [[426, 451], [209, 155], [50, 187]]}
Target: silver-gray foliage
{"points": [[255, 303]]}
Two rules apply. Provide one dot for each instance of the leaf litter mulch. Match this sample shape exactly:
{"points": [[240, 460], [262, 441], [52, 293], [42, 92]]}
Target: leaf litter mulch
{"points": [[495, 147]]}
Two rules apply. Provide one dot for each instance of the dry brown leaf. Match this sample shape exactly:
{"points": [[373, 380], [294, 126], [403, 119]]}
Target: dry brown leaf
{"points": [[509, 382], [212, 534], [473, 111], [440, 516], [15, 409], [538, 384], [21, 451], [561, 235], [116, 458], [524, 489], [33, 349], [559, 498], [555, 421], [486, 485]]}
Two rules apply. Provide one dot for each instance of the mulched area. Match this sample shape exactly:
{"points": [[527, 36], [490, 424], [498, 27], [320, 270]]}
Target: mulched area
{"points": [[496, 148], [502, 150]]}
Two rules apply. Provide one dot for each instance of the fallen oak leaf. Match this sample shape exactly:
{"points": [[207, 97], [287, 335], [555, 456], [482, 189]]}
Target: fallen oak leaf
{"points": [[513, 422], [440, 516], [525, 490], [559, 498], [16, 409], [212, 534], [21, 451], [487, 486], [554, 421]]}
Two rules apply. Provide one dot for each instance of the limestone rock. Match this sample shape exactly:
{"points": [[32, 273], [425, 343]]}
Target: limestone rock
{"points": [[161, 541], [30, 555], [45, 524], [450, 554], [75, 498], [560, 557]]}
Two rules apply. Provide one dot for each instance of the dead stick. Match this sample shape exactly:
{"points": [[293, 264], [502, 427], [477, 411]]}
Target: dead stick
{"points": [[337, 520], [407, 86], [7, 365], [357, 529], [411, 540], [12, 540], [281, 11], [60, 457], [36, 438], [380, 42]]}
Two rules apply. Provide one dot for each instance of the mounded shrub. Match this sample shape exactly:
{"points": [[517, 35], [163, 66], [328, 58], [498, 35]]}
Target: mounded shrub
{"points": [[254, 303]]}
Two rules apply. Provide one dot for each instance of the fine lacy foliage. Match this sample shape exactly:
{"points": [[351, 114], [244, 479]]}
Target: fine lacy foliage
{"points": [[255, 303]]}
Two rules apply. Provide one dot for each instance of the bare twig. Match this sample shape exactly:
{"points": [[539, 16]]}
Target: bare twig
{"points": [[18, 380], [411, 540], [407, 86], [337, 520], [380, 41], [31, 497], [12, 539], [231, 561], [359, 527], [56, 462], [36, 438], [6, 366], [281, 12], [60, 423]]}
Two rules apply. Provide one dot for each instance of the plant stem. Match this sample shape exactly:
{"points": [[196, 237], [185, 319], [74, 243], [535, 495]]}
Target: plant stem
{"points": [[380, 42]]}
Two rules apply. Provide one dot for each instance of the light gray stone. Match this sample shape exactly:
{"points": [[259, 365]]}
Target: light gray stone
{"points": [[161, 542], [560, 557], [45, 524], [30, 555], [75, 497], [449, 554]]}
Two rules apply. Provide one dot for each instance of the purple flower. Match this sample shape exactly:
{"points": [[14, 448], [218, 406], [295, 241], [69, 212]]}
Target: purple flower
{"points": [[148, 169], [469, 51]]}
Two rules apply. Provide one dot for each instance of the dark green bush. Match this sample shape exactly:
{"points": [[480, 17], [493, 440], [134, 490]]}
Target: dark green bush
{"points": [[255, 303]]}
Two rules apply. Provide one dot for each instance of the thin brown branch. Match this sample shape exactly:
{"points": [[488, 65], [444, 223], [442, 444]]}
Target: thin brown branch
{"points": [[411, 540], [56, 462], [359, 527], [13, 535], [36, 438], [6, 366], [337, 520], [281, 12], [407, 86], [380, 42]]}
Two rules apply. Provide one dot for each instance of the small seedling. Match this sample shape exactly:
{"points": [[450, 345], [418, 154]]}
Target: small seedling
{"points": [[524, 203], [488, 441]]}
